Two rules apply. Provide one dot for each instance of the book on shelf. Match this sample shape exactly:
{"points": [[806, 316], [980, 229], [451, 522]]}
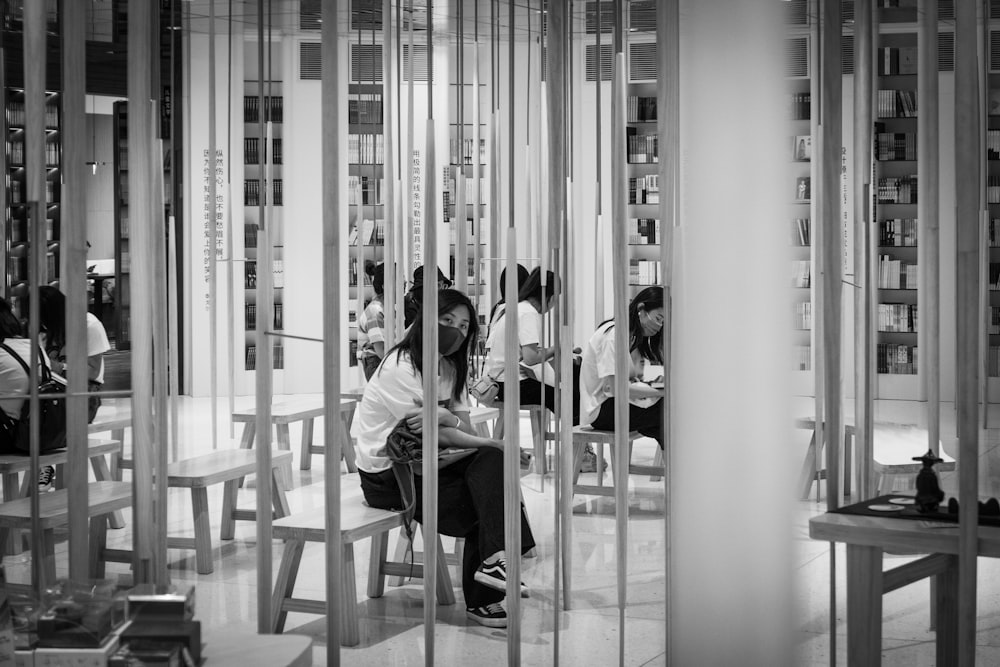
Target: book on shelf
{"points": [[364, 108], [799, 106], [278, 356], [250, 316], [801, 273], [995, 232], [251, 150], [896, 60], [801, 232], [363, 233], [643, 231], [644, 189], [896, 359], [250, 235], [365, 148], [250, 274], [895, 146], [642, 148], [251, 358], [802, 147], [279, 317], [994, 325], [896, 274], [897, 103], [644, 272], [898, 190], [898, 232], [897, 317], [802, 315], [802, 357], [273, 105], [641, 108]]}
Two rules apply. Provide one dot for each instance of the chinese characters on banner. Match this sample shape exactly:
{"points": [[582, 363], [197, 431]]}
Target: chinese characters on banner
{"points": [[418, 227], [214, 215]]}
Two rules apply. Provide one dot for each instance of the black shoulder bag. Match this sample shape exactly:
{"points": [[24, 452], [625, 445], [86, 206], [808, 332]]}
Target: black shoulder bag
{"points": [[51, 412]]}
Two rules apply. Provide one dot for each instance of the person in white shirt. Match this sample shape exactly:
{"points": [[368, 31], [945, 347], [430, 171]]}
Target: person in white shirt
{"points": [[597, 372], [13, 379], [371, 325], [470, 489], [533, 302]]}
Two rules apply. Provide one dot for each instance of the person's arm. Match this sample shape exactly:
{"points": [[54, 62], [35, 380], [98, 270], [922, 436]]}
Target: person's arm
{"points": [[94, 364], [532, 355], [379, 348], [454, 430]]}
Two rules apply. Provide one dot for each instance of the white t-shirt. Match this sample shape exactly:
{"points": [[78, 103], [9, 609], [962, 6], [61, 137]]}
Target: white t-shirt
{"points": [[97, 341], [529, 330], [394, 390], [597, 372], [370, 328], [12, 376]]}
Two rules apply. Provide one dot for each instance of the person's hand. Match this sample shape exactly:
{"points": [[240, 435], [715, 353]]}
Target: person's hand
{"points": [[577, 350], [529, 373], [415, 418]]}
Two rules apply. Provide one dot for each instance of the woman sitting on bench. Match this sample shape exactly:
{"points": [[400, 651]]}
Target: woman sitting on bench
{"points": [[470, 489], [597, 372]]}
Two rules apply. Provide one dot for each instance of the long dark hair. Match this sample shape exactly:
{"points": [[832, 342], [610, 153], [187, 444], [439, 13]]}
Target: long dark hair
{"points": [[532, 287], [52, 316], [10, 327], [522, 276], [650, 347], [412, 342]]}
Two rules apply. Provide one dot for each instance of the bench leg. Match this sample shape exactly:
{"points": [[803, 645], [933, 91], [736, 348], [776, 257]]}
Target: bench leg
{"points": [[246, 440], [278, 497], [376, 578], [578, 449], [11, 539], [118, 457], [538, 437], [229, 492], [404, 548], [98, 543], [48, 568], [349, 634], [348, 447], [283, 587], [284, 439], [305, 460], [202, 529], [102, 473], [657, 461]]}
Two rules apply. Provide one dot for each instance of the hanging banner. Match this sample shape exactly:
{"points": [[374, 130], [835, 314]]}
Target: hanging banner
{"points": [[214, 215]]}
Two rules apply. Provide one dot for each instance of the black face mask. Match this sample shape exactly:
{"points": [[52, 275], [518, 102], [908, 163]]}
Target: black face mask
{"points": [[449, 339]]}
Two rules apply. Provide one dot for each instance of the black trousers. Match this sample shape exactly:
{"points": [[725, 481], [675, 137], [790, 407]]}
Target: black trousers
{"points": [[470, 505], [648, 421], [531, 394]]}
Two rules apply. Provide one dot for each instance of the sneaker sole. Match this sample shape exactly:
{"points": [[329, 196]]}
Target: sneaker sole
{"points": [[488, 622], [487, 580]]}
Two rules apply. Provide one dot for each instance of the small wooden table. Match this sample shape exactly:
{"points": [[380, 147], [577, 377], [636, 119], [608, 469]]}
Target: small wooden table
{"points": [[867, 538], [283, 414], [229, 648]]}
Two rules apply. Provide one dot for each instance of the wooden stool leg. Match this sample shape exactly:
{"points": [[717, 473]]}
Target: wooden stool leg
{"points": [[305, 460], [246, 441], [98, 543], [498, 426], [49, 555], [808, 473], [578, 449], [445, 592], [102, 473], [657, 461], [278, 497], [11, 539], [118, 458], [288, 570], [284, 439], [229, 497], [376, 578], [202, 529], [538, 438], [403, 547], [347, 451], [349, 634]]}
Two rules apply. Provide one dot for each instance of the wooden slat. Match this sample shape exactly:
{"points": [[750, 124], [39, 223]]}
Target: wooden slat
{"points": [[389, 49], [287, 413], [218, 466], [904, 575], [104, 497]]}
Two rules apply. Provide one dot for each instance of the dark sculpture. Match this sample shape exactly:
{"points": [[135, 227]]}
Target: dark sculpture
{"points": [[929, 493]]}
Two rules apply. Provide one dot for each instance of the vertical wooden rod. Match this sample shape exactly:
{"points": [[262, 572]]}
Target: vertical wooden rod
{"points": [[968, 147], [73, 247], [213, 241], [477, 170], [409, 144], [334, 177], [390, 220], [461, 276], [230, 229]]}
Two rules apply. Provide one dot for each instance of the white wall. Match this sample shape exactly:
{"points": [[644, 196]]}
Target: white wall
{"points": [[100, 187]]}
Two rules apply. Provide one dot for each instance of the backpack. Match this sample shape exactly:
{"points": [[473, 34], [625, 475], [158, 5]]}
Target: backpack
{"points": [[51, 412]]}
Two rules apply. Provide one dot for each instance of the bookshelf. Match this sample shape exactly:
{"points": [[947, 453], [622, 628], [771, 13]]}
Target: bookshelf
{"points": [[642, 159], [259, 154], [122, 254], [799, 152], [15, 192], [993, 231], [365, 197], [895, 204]]}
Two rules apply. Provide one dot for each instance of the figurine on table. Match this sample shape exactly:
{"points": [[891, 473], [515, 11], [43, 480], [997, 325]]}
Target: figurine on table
{"points": [[929, 493]]}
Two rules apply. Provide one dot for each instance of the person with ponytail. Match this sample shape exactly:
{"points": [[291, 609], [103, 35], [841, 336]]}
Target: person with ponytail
{"points": [[371, 324], [470, 489], [597, 372]]}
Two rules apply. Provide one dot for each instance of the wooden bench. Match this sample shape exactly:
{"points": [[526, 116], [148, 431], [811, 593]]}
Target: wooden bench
{"points": [[357, 522], [12, 465], [115, 424], [104, 497], [228, 467], [536, 416], [480, 416], [283, 414], [584, 435]]}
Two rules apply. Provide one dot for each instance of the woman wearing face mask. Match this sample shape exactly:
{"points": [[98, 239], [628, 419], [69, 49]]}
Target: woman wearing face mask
{"points": [[533, 302], [597, 372], [471, 489]]}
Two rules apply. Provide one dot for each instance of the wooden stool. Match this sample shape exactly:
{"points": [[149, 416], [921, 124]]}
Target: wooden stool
{"points": [[104, 498], [357, 522], [584, 435], [810, 469], [12, 465], [115, 425], [536, 415], [283, 414], [227, 466], [480, 416]]}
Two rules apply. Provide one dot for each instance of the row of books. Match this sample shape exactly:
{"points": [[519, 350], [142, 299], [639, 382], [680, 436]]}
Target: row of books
{"points": [[897, 190], [896, 274], [364, 109], [252, 192], [802, 357], [640, 108], [799, 106], [644, 189], [802, 146], [277, 357], [895, 146], [643, 272], [123, 158], [995, 232], [893, 359], [16, 116], [371, 232], [801, 273], [643, 231], [250, 235], [15, 152], [274, 108], [250, 316], [893, 60], [464, 154], [251, 150], [17, 267], [897, 317], [993, 144], [643, 149], [898, 232], [366, 148], [802, 315], [471, 196], [801, 232], [897, 104], [364, 190], [352, 353], [19, 230], [993, 190], [16, 189], [994, 277], [250, 274], [993, 328]]}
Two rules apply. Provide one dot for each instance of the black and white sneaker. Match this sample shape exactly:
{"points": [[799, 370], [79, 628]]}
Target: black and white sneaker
{"points": [[46, 479], [492, 615], [494, 575]]}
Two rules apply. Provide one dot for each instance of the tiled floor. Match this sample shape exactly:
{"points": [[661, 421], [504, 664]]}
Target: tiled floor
{"points": [[391, 627]]}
